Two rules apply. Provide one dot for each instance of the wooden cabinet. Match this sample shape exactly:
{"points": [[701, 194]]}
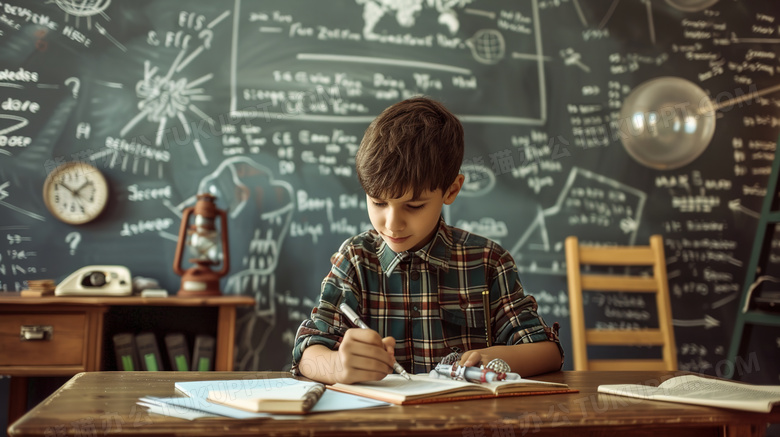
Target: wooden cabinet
{"points": [[62, 336]]}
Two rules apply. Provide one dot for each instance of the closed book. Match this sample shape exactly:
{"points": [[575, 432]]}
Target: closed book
{"points": [[297, 398], [178, 352], [148, 352], [126, 357]]}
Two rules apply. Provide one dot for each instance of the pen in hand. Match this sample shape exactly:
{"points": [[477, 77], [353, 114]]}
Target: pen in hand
{"points": [[359, 323]]}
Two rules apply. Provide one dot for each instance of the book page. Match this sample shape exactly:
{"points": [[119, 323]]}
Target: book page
{"points": [[692, 389], [515, 385], [691, 386], [419, 385], [422, 385], [293, 393], [633, 390]]}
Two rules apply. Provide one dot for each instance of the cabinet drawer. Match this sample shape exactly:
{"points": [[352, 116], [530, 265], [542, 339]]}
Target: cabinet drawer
{"points": [[63, 345]]}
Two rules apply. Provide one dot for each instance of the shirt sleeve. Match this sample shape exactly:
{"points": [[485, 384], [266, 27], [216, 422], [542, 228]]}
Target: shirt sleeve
{"points": [[326, 325], [516, 320]]}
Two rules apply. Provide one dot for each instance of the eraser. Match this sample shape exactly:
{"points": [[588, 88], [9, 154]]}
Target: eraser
{"points": [[154, 292]]}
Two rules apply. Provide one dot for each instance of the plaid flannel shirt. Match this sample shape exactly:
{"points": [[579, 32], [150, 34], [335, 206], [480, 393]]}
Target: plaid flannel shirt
{"points": [[430, 300]]}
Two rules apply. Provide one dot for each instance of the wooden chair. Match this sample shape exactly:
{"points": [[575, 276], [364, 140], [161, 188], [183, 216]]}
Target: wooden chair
{"points": [[652, 255]]}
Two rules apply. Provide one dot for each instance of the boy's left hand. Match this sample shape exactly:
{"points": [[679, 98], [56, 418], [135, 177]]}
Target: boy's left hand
{"points": [[473, 358]]}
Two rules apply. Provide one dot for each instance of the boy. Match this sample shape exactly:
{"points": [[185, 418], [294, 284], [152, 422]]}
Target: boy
{"points": [[414, 280]]}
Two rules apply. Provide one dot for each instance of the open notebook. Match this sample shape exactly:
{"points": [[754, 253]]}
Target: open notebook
{"points": [[699, 390], [423, 389]]}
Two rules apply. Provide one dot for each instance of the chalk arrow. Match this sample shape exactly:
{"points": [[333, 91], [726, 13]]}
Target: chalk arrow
{"points": [[101, 30], [20, 123], [735, 205], [708, 322]]}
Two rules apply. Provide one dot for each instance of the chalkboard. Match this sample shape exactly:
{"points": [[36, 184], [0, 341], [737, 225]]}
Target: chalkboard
{"points": [[264, 103]]}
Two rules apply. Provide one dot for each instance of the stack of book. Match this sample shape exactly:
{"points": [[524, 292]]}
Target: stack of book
{"points": [[39, 287], [254, 399]]}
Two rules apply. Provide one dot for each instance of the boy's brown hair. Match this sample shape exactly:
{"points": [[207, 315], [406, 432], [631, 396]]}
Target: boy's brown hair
{"points": [[414, 144]]}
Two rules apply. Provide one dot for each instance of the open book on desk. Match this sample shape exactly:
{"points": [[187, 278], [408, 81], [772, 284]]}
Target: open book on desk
{"points": [[698, 390], [424, 389]]}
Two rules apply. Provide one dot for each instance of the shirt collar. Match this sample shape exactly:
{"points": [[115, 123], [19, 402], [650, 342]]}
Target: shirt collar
{"points": [[436, 253]]}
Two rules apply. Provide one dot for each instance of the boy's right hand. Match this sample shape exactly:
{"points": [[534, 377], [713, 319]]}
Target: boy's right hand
{"points": [[364, 356]]}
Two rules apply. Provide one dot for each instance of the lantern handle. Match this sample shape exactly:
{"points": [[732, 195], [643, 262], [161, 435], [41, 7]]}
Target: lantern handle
{"points": [[185, 219], [225, 249]]}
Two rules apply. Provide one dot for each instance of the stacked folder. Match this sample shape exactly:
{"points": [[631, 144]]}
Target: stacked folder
{"points": [[141, 352]]}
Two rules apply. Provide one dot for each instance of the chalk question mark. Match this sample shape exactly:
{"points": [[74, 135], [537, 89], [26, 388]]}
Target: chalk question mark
{"points": [[74, 238], [76, 84]]}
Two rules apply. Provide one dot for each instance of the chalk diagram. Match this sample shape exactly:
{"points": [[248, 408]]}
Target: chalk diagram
{"points": [[405, 12], [87, 9], [71, 8], [4, 194], [84, 9], [14, 123], [586, 200], [487, 46], [170, 99], [259, 202], [664, 133], [682, 5]]}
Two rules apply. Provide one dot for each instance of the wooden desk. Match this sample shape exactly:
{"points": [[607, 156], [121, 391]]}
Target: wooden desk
{"points": [[103, 403], [78, 337]]}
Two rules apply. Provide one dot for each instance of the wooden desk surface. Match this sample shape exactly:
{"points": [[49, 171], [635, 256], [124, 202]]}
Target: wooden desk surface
{"points": [[103, 403]]}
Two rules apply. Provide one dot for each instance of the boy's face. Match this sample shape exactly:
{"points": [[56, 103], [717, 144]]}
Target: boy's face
{"points": [[408, 223]]}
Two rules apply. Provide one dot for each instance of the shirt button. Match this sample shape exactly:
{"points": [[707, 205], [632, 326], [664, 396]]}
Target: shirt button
{"points": [[415, 312], [415, 275]]}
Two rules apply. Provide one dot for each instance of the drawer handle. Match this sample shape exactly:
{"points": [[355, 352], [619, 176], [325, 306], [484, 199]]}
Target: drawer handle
{"points": [[35, 333]]}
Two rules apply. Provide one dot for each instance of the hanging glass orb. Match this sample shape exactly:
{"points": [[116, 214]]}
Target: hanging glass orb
{"points": [[666, 122]]}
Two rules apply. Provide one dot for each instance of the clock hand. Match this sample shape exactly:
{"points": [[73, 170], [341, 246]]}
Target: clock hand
{"points": [[77, 198], [80, 200], [64, 185], [78, 190]]}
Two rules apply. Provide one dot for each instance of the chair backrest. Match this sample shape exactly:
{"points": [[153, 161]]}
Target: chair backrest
{"points": [[579, 281]]}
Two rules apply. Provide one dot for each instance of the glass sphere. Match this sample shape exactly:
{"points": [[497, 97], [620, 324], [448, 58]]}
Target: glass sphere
{"points": [[666, 122]]}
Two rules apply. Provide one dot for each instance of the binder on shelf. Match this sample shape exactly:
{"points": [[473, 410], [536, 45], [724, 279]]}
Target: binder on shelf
{"points": [[148, 352], [178, 352], [126, 357], [203, 353]]}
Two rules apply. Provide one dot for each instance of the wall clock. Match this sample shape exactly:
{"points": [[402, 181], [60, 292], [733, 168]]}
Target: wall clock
{"points": [[75, 192]]}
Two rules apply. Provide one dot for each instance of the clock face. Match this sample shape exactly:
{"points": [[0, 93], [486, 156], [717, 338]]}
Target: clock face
{"points": [[75, 192]]}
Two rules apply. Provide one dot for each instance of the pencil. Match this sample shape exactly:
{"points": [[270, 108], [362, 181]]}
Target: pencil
{"points": [[486, 307], [361, 324]]}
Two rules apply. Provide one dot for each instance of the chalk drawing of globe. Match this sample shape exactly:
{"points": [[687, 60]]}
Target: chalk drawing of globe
{"points": [[487, 46]]}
